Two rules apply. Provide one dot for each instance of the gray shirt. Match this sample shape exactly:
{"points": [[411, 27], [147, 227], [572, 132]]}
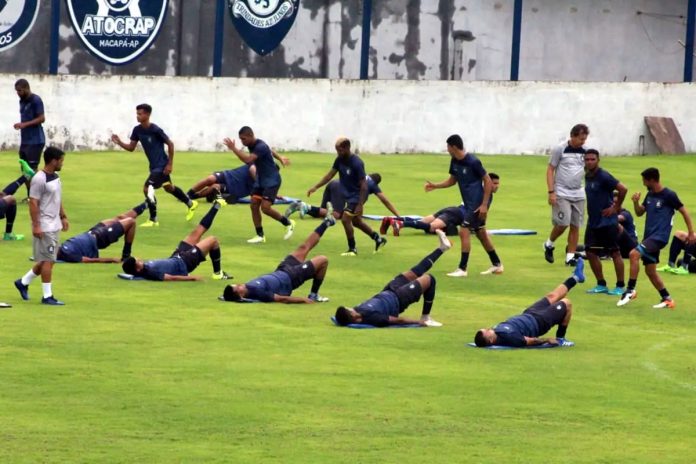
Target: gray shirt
{"points": [[48, 190], [569, 164]]}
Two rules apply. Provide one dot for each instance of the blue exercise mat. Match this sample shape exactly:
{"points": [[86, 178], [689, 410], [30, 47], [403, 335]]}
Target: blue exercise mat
{"points": [[125, 276], [563, 344], [376, 217], [278, 200], [512, 232], [368, 326], [243, 300]]}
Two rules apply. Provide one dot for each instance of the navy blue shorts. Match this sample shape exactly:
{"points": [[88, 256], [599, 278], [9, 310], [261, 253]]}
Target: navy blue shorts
{"points": [[602, 238], [157, 179], [407, 291], [333, 194], [106, 235], [3, 208], [626, 244], [299, 272], [268, 193], [452, 216], [547, 314], [473, 222], [191, 255], [31, 154], [650, 250]]}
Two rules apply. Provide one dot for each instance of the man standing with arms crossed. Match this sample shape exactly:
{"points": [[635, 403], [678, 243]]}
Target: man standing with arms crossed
{"points": [[564, 177], [48, 218], [33, 140]]}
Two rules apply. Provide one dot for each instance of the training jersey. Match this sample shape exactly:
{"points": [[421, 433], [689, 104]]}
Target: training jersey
{"points": [[238, 181], [469, 173], [157, 268], [628, 223], [659, 210], [599, 190], [264, 287], [152, 138], [79, 246], [376, 310], [569, 163], [513, 331], [29, 109], [267, 173], [351, 172], [48, 189]]}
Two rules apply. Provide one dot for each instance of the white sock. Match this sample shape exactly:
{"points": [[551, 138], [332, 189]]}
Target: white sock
{"points": [[47, 289], [29, 277], [569, 256], [548, 243]]}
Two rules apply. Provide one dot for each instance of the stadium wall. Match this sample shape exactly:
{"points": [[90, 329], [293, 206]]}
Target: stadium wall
{"points": [[380, 116]]}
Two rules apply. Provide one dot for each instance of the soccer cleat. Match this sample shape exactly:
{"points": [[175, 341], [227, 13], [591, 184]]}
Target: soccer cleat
{"points": [[458, 273], [430, 322], [318, 298], [626, 298], [548, 253], [222, 275], [397, 224], [23, 289], [665, 303], [304, 209], [600, 289], [679, 271], [27, 171], [12, 236], [257, 239], [350, 252], [292, 208], [616, 291], [572, 262], [379, 243], [5, 305], [220, 201], [384, 225], [494, 270], [665, 268], [150, 223], [329, 218], [445, 243], [192, 209], [52, 301], [579, 272], [151, 194], [289, 229]]}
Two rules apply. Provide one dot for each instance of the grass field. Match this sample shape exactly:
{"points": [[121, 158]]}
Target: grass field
{"points": [[163, 372]]}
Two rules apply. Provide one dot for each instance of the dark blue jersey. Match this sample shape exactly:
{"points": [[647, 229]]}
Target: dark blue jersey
{"points": [[267, 174], [157, 268], [659, 209], [372, 186], [79, 246], [351, 172], [30, 109], [599, 190], [153, 140], [513, 331], [238, 182], [376, 310], [469, 173], [628, 224], [264, 287]]}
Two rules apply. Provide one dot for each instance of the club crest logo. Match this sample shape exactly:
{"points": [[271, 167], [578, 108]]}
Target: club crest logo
{"points": [[263, 24], [17, 17], [117, 31]]}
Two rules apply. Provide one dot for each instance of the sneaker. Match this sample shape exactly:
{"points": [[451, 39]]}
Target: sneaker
{"points": [[151, 194], [397, 224], [52, 301], [616, 291], [675, 270], [318, 298], [494, 270], [665, 268], [579, 271], [600, 289], [428, 322], [191, 210], [150, 223], [23, 289], [572, 262], [292, 208], [458, 273], [289, 230], [665, 303], [350, 252], [304, 209], [257, 239], [627, 296], [329, 219], [220, 201], [445, 243], [27, 171], [17, 237], [222, 275], [548, 253], [379, 243], [384, 225]]}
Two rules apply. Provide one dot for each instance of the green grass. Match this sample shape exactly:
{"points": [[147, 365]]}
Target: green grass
{"points": [[163, 372]]}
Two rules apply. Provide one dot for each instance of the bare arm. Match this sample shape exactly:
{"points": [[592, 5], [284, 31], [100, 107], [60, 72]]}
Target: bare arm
{"points": [[487, 189], [616, 207], [404, 321], [430, 186], [637, 207], [40, 119], [291, 299], [246, 158], [324, 180], [533, 341], [385, 201], [284, 160], [170, 151], [130, 146], [64, 219], [188, 278], [100, 260], [550, 181], [34, 213]]}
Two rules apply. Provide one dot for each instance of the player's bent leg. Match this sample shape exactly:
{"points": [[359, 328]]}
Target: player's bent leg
{"points": [[320, 265]]}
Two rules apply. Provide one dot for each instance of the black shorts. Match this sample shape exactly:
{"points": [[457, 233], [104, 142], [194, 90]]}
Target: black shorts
{"points": [[157, 179], [626, 243], [3, 208], [191, 255], [31, 154], [351, 206], [333, 194], [547, 314], [602, 238], [473, 222], [268, 194], [650, 250], [106, 235], [299, 272], [407, 291], [452, 216]]}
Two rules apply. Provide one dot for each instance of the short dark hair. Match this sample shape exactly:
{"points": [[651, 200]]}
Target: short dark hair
{"points": [[480, 339], [376, 177], [145, 107], [493, 175], [456, 141], [128, 265], [651, 174], [592, 151], [52, 153], [246, 130], [343, 316], [22, 84], [579, 129], [230, 294]]}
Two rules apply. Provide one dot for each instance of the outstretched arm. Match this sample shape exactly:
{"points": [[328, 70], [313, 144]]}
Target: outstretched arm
{"points": [[291, 299], [284, 160], [100, 260], [388, 204], [430, 186], [404, 321], [178, 278], [324, 180], [126, 146], [246, 158]]}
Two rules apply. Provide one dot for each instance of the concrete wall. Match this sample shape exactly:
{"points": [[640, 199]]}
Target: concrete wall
{"points": [[571, 40], [380, 116]]}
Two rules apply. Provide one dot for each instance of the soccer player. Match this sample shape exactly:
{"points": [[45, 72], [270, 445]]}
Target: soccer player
{"points": [[527, 328], [602, 231], [475, 187], [628, 238], [48, 218], [84, 248], [267, 183], [32, 116], [659, 206], [291, 273], [354, 188], [680, 242], [564, 176], [8, 203], [230, 185], [153, 139], [384, 308], [190, 252]]}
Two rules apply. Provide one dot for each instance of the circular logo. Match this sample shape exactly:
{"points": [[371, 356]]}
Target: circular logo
{"points": [[16, 20], [119, 5], [263, 7]]}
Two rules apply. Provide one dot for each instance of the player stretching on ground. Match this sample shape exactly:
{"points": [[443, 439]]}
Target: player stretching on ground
{"points": [[8, 203], [153, 139], [680, 242], [230, 185]]}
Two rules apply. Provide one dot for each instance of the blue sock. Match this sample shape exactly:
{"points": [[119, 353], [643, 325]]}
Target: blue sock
{"points": [[14, 186]]}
